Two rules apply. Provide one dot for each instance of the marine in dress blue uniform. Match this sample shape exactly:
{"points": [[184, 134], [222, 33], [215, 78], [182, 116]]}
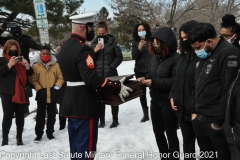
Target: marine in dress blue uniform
{"points": [[81, 102]]}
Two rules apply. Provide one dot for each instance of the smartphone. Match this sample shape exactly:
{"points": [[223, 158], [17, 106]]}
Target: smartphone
{"points": [[101, 40], [19, 59], [143, 38]]}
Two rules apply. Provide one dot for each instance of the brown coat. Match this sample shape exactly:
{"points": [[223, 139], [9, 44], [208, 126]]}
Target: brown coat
{"points": [[47, 77]]}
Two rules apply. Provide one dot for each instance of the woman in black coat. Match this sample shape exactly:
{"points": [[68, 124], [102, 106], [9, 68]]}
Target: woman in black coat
{"points": [[107, 58], [161, 72], [141, 36], [13, 80], [181, 91]]}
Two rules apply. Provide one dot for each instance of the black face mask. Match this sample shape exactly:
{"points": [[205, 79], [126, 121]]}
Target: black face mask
{"points": [[16, 33], [104, 36], [90, 35], [186, 45], [13, 53]]}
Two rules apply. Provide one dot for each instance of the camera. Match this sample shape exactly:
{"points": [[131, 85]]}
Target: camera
{"points": [[9, 25], [101, 40]]}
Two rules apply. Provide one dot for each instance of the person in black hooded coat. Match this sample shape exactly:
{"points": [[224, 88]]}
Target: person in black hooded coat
{"points": [[161, 73], [107, 59]]}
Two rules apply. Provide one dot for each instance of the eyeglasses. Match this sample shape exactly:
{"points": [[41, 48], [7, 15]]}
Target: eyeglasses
{"points": [[226, 36]]}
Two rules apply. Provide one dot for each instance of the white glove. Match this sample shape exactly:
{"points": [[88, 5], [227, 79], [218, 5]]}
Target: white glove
{"points": [[124, 90], [56, 87]]}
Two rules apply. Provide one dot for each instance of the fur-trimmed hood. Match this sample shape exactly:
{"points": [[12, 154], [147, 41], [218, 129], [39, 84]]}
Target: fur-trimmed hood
{"points": [[52, 61]]}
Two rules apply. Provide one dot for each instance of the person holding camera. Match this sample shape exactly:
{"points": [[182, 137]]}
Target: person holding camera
{"points": [[108, 57], [14, 71], [47, 80], [141, 35], [25, 43]]}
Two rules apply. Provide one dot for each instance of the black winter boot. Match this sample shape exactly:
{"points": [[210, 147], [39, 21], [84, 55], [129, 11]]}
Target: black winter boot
{"points": [[19, 139], [101, 124], [4, 140], [114, 124], [145, 115]]}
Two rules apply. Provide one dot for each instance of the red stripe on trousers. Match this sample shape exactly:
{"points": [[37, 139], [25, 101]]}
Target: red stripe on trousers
{"points": [[91, 136]]}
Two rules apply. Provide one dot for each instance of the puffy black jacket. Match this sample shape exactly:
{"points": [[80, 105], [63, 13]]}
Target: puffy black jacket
{"points": [[183, 85], [162, 71], [213, 78], [142, 58], [25, 44], [109, 58]]}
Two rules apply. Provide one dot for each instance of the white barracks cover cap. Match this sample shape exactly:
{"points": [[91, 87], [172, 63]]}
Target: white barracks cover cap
{"points": [[83, 18]]}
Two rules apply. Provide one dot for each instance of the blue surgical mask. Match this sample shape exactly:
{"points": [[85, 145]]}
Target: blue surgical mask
{"points": [[141, 34], [202, 53]]}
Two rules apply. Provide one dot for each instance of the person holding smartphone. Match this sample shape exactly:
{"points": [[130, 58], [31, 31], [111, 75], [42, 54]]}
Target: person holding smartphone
{"points": [[107, 58], [14, 71], [141, 35]]}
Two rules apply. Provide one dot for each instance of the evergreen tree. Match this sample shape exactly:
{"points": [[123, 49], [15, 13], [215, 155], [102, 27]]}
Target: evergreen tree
{"points": [[103, 15]]}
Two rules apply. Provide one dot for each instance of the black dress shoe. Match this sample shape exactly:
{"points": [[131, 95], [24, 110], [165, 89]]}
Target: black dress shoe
{"points": [[50, 136], [114, 124], [61, 128], [101, 124], [37, 139]]}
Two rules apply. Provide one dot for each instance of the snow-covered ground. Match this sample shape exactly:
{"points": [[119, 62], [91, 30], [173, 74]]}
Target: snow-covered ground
{"points": [[131, 140]]}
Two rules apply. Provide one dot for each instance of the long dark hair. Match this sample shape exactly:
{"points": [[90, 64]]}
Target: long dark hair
{"points": [[186, 28], [164, 48], [135, 31], [229, 22]]}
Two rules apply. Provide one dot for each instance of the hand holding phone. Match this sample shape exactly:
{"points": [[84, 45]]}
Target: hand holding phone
{"points": [[18, 59], [101, 40], [143, 37]]}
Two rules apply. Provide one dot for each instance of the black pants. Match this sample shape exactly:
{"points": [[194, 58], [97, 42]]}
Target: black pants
{"points": [[115, 110], [164, 119], [9, 108], [143, 97], [62, 121], [40, 118], [210, 141], [188, 138], [26, 111]]}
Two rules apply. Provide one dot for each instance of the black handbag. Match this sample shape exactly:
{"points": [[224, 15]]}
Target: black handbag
{"points": [[28, 91]]}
